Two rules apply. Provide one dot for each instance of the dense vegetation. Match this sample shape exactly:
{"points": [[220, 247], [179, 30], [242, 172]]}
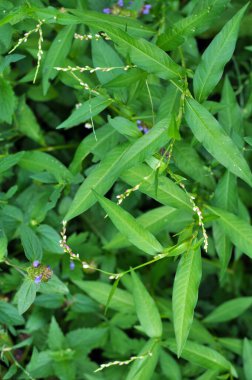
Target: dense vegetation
{"points": [[125, 154]]}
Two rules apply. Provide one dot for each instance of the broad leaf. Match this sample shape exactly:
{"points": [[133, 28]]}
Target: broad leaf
{"points": [[7, 101], [129, 227], [185, 295], [215, 57], [209, 132], [31, 243], [26, 295], [146, 309]]}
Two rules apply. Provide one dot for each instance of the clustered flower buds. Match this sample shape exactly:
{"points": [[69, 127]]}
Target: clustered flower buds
{"points": [[96, 36], [142, 127], [39, 272], [115, 9]]}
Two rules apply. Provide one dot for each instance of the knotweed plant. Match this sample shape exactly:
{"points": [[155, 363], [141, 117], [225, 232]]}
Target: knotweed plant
{"points": [[125, 172]]}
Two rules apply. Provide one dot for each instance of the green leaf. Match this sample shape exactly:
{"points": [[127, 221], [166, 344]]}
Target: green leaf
{"points": [[169, 366], [26, 295], [144, 368], [49, 239], [105, 136], [156, 220], [55, 337], [27, 124], [247, 355], [7, 101], [3, 245], [101, 179], [56, 55], [185, 295], [35, 161], [196, 23], [215, 57], [99, 291], [229, 310], [188, 161], [168, 193], [209, 132], [238, 230], [31, 243], [8, 161], [146, 309], [53, 286], [125, 127], [96, 20], [144, 54], [86, 111], [9, 315], [203, 356], [129, 227]]}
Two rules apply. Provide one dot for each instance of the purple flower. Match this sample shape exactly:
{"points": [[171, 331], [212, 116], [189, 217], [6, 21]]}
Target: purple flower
{"points": [[120, 3], [36, 264], [38, 279], [145, 130], [146, 9], [106, 11], [72, 265]]}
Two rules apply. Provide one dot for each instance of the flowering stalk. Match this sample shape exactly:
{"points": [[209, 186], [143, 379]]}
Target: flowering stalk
{"points": [[126, 362], [92, 69], [88, 37], [24, 39]]}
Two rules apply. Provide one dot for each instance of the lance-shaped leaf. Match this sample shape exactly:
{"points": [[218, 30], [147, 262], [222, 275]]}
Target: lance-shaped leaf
{"points": [[144, 368], [101, 179], [185, 294], [146, 309], [99, 291], [129, 227], [105, 136], [168, 193], [215, 57], [247, 355], [118, 160], [56, 54], [238, 230], [208, 131], [156, 220], [194, 24], [145, 55], [229, 310], [203, 356], [86, 111], [95, 19]]}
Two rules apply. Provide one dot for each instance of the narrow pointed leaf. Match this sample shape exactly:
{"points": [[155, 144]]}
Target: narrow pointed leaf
{"points": [[229, 310], [247, 362], [56, 54], [129, 227], [203, 356], [101, 179], [168, 193], [215, 57], [185, 295], [146, 309], [86, 111], [209, 132], [145, 55], [238, 230]]}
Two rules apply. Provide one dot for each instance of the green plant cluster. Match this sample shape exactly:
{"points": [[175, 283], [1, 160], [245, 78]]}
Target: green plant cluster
{"points": [[125, 155]]}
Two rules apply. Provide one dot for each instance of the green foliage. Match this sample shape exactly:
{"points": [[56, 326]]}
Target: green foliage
{"points": [[125, 173]]}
